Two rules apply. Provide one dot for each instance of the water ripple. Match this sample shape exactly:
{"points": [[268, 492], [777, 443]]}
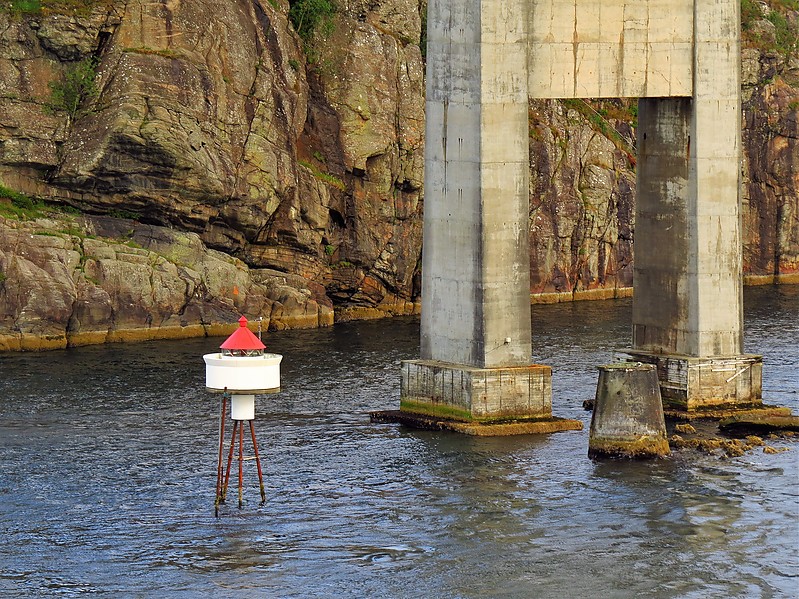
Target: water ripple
{"points": [[107, 479]]}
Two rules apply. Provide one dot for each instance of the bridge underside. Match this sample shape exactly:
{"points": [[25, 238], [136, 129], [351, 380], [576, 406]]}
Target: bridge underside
{"points": [[486, 59]]}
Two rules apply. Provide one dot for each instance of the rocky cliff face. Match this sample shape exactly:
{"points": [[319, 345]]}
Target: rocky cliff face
{"points": [[210, 121], [581, 197], [771, 163], [210, 130], [77, 280]]}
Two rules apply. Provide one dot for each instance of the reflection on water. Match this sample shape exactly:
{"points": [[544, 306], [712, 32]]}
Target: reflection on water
{"points": [[108, 457]]}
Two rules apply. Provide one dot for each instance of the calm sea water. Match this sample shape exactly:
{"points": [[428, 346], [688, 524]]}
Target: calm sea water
{"points": [[108, 466]]}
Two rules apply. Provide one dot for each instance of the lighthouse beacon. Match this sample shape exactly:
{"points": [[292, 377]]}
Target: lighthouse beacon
{"points": [[243, 369], [239, 371]]}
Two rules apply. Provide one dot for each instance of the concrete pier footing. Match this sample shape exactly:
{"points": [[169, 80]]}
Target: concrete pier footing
{"points": [[697, 384], [628, 415], [503, 428], [507, 400], [469, 393]]}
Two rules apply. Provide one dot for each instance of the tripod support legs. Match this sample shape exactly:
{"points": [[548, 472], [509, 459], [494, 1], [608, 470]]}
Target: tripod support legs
{"points": [[223, 469]]}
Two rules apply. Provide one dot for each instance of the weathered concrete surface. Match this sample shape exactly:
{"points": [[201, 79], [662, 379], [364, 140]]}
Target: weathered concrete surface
{"points": [[475, 268], [627, 420], [688, 289], [688, 301], [687, 277], [468, 393], [706, 383], [475, 329], [611, 48]]}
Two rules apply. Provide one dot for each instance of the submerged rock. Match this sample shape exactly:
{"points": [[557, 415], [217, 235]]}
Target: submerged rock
{"points": [[761, 424], [712, 445]]}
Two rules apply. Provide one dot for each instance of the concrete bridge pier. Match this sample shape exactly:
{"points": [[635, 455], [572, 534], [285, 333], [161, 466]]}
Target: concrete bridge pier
{"points": [[486, 59], [475, 324], [687, 305]]}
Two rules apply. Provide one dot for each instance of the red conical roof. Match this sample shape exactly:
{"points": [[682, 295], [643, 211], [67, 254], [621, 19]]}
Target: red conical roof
{"points": [[242, 338]]}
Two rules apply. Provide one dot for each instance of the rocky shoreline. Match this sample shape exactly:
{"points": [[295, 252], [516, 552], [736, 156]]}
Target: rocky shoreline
{"points": [[75, 280], [72, 280]]}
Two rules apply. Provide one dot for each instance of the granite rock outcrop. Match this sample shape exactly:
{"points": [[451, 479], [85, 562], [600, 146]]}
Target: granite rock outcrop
{"points": [[220, 147]]}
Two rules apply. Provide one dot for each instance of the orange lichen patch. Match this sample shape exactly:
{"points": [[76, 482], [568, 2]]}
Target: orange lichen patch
{"points": [[479, 429], [685, 428], [771, 450], [730, 448], [646, 446]]}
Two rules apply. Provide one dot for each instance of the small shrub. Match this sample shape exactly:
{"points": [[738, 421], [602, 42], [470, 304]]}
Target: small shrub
{"points": [[74, 232], [72, 7], [309, 16], [77, 88], [20, 200], [122, 213], [750, 12], [68, 209], [329, 179], [786, 34]]}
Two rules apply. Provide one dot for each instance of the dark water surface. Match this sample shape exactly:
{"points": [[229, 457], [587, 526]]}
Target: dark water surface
{"points": [[108, 466]]}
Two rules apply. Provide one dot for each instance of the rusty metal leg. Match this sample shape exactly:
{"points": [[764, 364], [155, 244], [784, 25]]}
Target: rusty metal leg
{"points": [[258, 463], [229, 460], [241, 463], [218, 499]]}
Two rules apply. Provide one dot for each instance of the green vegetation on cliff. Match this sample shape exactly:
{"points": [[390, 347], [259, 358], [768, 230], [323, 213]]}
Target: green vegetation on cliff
{"points": [[309, 17], [76, 88], [20, 205], [21, 7], [35, 7], [786, 29], [601, 114], [15, 205]]}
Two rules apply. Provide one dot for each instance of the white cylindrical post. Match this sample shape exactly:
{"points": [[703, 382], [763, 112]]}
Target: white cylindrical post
{"points": [[242, 407]]}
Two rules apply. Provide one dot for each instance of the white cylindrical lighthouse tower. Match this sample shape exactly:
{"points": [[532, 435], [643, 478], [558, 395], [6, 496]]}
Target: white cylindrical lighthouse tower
{"points": [[239, 371]]}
